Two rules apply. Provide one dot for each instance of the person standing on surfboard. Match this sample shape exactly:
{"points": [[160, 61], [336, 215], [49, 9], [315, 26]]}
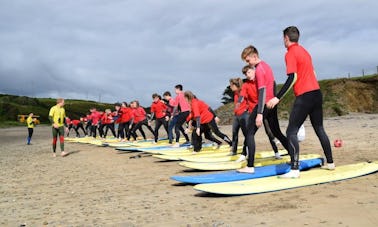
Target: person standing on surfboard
{"points": [[108, 123], [308, 99], [76, 125], [57, 117], [204, 122], [167, 99], [30, 122], [241, 116], [181, 111], [95, 121], [158, 110], [124, 116], [266, 87], [139, 119]]}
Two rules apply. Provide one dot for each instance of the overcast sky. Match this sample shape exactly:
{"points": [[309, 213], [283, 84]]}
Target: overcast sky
{"points": [[119, 50]]}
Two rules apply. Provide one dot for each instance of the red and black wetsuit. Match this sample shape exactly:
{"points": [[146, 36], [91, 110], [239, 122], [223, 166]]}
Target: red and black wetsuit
{"points": [[204, 120], [267, 87], [77, 124], [125, 115], [140, 119], [308, 101], [158, 110]]}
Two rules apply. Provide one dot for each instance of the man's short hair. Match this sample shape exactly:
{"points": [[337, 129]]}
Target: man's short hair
{"points": [[179, 86], [292, 33]]}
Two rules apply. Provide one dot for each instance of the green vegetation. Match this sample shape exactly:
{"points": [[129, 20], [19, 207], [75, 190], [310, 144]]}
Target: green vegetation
{"points": [[340, 97], [11, 106]]}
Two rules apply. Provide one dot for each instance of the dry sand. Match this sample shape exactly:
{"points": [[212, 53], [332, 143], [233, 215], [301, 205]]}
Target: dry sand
{"points": [[95, 186]]}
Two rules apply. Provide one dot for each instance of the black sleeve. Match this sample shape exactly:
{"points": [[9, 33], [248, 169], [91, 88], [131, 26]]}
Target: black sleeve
{"points": [[292, 77], [198, 122], [240, 99], [212, 111], [261, 104], [151, 116]]}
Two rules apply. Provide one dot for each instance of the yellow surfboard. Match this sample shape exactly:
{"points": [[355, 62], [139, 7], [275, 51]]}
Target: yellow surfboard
{"points": [[225, 157], [237, 165], [213, 156], [184, 150], [269, 184]]}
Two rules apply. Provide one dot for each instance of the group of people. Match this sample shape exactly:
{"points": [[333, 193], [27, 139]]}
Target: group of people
{"points": [[255, 102]]}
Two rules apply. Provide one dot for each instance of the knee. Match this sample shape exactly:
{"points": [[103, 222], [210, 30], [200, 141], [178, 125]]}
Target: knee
{"points": [[291, 131]]}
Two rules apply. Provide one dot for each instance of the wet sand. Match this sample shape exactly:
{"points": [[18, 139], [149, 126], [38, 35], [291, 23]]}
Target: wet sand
{"points": [[95, 186]]}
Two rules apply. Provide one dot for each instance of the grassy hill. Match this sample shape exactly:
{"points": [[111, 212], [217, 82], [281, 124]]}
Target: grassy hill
{"points": [[340, 97], [11, 106]]}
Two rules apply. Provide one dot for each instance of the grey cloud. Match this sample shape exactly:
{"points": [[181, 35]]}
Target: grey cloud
{"points": [[124, 50]]}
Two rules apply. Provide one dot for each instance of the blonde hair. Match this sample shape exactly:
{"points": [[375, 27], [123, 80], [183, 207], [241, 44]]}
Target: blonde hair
{"points": [[249, 50], [59, 100], [189, 95], [238, 82]]}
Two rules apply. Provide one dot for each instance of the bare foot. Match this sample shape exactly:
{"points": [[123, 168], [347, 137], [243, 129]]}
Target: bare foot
{"points": [[246, 170], [63, 153], [54, 155]]}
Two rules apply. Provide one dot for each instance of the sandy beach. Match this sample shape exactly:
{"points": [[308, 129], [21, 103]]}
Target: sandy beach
{"points": [[95, 186]]}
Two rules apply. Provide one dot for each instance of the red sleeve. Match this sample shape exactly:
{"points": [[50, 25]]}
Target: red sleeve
{"points": [[142, 111], [195, 109], [243, 91], [153, 107], [190, 116], [260, 77], [291, 63]]}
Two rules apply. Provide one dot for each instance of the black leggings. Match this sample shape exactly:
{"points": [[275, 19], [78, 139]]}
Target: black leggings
{"points": [[158, 123], [214, 128], [207, 130], [272, 128], [88, 128], [30, 132], [240, 122], [309, 103], [77, 127], [123, 129], [139, 126], [197, 139], [101, 130], [250, 138], [111, 127], [94, 130], [181, 118]]}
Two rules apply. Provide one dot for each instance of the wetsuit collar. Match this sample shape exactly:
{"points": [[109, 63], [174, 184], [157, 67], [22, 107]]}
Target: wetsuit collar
{"points": [[294, 44]]}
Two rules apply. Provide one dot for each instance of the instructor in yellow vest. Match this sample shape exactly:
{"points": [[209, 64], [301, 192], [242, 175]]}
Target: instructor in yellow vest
{"points": [[57, 116]]}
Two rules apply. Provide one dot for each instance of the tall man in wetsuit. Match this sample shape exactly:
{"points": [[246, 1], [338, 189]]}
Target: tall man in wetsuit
{"points": [[308, 100]]}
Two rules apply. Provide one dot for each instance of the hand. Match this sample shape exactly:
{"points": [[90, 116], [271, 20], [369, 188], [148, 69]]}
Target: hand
{"points": [[166, 118], [272, 103], [198, 131], [259, 120], [217, 120], [149, 123], [55, 125]]}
